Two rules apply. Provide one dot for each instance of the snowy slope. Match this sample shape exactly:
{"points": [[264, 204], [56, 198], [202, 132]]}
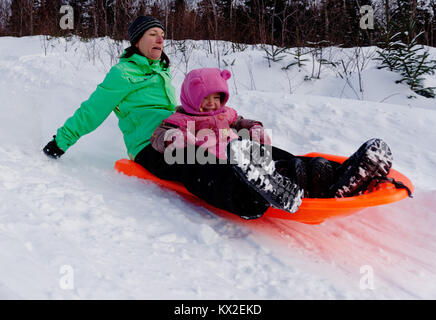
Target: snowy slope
{"points": [[124, 238]]}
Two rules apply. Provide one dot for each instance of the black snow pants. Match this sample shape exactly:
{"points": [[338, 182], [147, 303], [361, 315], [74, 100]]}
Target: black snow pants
{"points": [[313, 174], [217, 184], [221, 187]]}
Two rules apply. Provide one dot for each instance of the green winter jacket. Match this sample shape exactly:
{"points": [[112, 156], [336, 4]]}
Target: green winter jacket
{"points": [[138, 90]]}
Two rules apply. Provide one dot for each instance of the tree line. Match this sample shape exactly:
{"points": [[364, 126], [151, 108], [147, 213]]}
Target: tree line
{"points": [[283, 23]]}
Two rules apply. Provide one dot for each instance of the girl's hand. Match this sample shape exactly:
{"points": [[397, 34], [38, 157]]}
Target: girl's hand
{"points": [[259, 135]]}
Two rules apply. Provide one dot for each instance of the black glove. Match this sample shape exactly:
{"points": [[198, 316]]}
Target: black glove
{"points": [[52, 150]]}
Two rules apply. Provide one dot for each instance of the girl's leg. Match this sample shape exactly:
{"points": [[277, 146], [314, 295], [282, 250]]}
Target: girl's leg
{"points": [[296, 170]]}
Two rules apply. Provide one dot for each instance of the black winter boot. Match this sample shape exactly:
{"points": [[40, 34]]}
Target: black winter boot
{"points": [[295, 169], [321, 177], [373, 158], [254, 165]]}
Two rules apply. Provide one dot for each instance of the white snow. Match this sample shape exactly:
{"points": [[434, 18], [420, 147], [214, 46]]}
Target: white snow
{"points": [[74, 228]]}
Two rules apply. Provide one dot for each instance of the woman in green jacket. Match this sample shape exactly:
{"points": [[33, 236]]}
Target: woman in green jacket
{"points": [[138, 90]]}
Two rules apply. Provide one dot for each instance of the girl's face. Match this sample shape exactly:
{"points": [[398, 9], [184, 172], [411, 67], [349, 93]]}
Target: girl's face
{"points": [[211, 103], [151, 43]]}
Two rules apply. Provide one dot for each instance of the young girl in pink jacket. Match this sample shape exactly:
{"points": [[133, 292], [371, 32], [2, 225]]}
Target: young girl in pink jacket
{"points": [[204, 120]]}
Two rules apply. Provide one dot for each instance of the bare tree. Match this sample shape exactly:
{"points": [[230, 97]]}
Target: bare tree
{"points": [[267, 22], [5, 12]]}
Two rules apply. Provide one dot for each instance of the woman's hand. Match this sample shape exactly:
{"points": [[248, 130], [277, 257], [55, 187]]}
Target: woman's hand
{"points": [[52, 150]]}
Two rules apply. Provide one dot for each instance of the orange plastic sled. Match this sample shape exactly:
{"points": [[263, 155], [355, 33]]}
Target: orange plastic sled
{"points": [[311, 211]]}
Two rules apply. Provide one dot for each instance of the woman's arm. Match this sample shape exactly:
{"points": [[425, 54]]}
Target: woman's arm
{"points": [[114, 88]]}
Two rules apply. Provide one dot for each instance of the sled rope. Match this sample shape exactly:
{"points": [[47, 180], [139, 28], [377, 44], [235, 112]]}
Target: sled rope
{"points": [[397, 184]]}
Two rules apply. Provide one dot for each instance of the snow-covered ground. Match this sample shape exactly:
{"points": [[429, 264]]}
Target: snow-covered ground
{"points": [[73, 228]]}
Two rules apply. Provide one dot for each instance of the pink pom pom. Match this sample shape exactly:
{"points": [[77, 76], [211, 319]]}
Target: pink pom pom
{"points": [[225, 74]]}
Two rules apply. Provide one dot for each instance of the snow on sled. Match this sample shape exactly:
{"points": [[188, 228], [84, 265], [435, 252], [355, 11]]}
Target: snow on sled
{"points": [[311, 211]]}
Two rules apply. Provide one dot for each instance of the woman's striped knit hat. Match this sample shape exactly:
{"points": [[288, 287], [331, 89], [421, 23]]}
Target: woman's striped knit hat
{"points": [[140, 25]]}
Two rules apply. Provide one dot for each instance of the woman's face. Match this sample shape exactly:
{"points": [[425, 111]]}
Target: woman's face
{"points": [[151, 43]]}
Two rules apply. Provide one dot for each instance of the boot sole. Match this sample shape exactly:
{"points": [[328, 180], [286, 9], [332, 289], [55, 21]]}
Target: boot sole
{"points": [[261, 177], [376, 160]]}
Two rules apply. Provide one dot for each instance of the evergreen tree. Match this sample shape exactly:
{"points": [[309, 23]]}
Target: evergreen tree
{"points": [[407, 57], [432, 23]]}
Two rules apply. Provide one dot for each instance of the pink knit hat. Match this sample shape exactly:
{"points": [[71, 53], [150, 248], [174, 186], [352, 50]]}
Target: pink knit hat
{"points": [[198, 84]]}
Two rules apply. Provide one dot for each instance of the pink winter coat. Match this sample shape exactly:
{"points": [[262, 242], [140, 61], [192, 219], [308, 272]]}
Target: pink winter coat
{"points": [[210, 130]]}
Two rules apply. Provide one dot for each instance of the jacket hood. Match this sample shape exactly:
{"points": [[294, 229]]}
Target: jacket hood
{"points": [[198, 84]]}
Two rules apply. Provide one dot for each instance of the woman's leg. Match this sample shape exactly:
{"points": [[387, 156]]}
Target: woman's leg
{"points": [[327, 178], [217, 184], [373, 158], [321, 177], [314, 175], [154, 162]]}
